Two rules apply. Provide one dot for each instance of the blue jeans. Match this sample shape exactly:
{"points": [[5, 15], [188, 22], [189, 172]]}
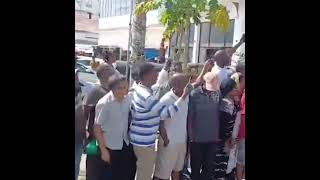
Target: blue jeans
{"points": [[78, 153]]}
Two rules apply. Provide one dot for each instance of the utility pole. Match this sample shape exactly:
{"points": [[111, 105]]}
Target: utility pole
{"points": [[128, 65]]}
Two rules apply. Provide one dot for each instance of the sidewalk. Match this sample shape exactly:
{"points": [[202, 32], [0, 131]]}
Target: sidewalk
{"points": [[82, 174]]}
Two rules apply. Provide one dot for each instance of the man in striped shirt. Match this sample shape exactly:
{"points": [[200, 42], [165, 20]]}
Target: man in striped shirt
{"points": [[147, 111]]}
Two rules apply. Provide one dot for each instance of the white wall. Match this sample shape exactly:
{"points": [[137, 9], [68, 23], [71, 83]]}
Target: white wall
{"points": [[114, 31], [239, 25]]}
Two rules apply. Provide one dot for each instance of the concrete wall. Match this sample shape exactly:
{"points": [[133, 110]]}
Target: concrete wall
{"points": [[239, 27]]}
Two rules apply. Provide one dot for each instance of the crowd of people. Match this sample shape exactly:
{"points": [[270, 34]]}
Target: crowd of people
{"points": [[194, 123]]}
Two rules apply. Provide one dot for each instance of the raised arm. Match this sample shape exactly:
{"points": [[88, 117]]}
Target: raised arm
{"points": [[163, 76], [152, 107], [235, 47], [206, 68]]}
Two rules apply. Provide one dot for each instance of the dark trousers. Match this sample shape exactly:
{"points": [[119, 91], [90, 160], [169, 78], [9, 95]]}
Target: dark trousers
{"points": [[123, 163], [97, 169], [121, 167], [202, 156]]}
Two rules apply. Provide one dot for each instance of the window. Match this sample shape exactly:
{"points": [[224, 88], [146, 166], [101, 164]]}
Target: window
{"points": [[117, 8], [205, 34], [212, 39], [110, 8]]}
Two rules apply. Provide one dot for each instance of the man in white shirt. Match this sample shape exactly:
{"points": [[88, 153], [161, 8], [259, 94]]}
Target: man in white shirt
{"points": [[222, 60], [172, 144], [111, 131]]}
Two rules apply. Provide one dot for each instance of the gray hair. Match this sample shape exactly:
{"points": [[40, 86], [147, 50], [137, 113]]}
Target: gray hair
{"points": [[115, 80]]}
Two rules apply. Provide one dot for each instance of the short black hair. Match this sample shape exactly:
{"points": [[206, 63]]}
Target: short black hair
{"points": [[104, 67], [107, 55], [115, 80], [142, 69], [227, 86]]}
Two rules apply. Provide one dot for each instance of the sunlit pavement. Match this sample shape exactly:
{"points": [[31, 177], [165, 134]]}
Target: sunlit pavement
{"points": [[82, 174]]}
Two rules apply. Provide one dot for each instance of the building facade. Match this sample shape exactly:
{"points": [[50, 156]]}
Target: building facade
{"points": [[86, 22], [204, 39], [114, 25]]}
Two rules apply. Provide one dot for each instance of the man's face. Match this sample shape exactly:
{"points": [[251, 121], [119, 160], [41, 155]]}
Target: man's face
{"points": [[122, 90], [152, 76], [179, 84], [227, 61]]}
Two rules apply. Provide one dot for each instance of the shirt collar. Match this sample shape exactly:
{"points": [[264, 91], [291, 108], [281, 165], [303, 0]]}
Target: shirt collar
{"points": [[173, 95], [146, 88], [113, 98]]}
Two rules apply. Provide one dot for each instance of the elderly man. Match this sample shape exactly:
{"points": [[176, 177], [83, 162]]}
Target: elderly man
{"points": [[91, 109], [172, 146], [223, 60], [111, 130]]}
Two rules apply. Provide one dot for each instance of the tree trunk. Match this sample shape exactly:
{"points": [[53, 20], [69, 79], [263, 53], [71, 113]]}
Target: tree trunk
{"points": [[184, 57], [138, 36], [179, 45]]}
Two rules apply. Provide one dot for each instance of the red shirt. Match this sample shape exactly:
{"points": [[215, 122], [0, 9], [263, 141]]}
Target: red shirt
{"points": [[242, 131]]}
